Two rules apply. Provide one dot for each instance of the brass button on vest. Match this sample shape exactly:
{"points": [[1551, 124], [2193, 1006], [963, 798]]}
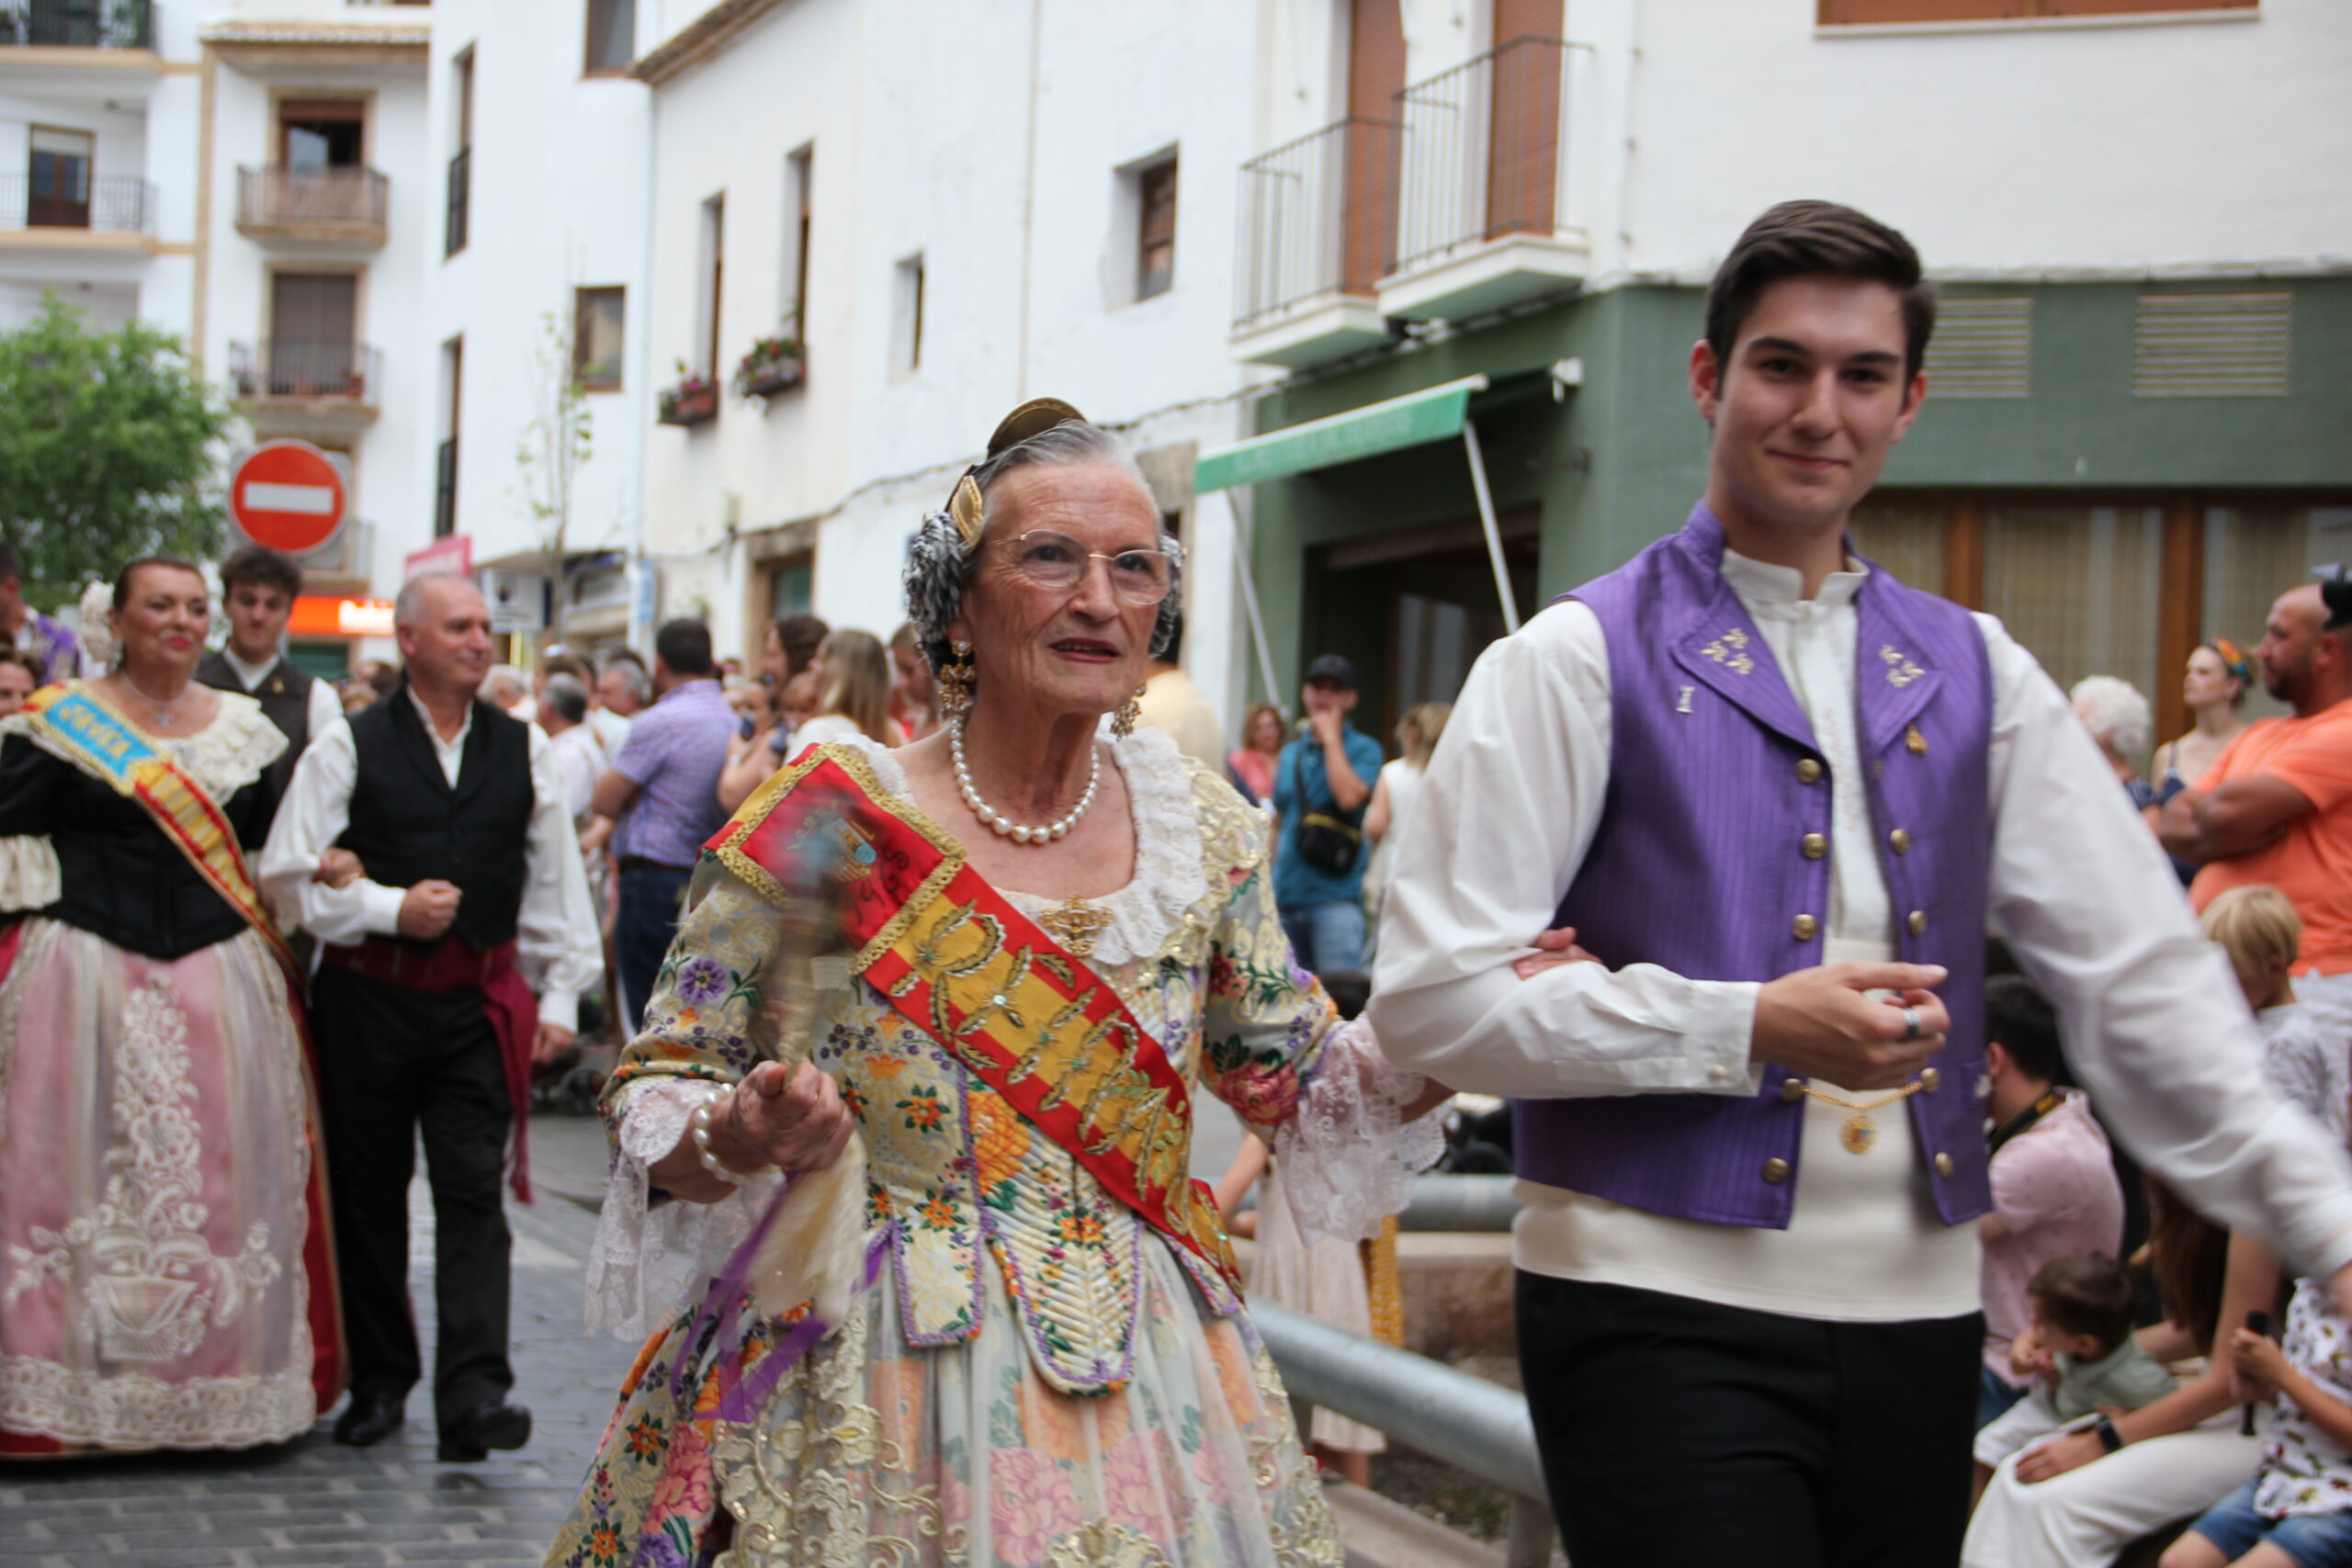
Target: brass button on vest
{"points": [[1776, 1170], [1943, 1165], [1792, 1089], [1930, 1080], [1808, 771], [1804, 927], [1814, 846], [1918, 922], [1901, 840]]}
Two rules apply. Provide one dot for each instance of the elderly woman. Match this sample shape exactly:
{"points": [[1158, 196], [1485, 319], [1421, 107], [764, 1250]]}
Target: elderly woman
{"points": [[2120, 720], [1053, 937]]}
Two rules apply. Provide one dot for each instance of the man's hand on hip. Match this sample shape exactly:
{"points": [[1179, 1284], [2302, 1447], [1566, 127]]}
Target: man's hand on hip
{"points": [[1824, 1023], [428, 910]]}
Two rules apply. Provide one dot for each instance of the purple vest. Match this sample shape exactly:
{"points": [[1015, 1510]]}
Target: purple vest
{"points": [[1716, 788]]}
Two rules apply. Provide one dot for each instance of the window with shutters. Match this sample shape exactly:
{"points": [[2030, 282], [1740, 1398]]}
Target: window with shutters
{"points": [[598, 318], [1155, 228], [1854, 13], [800, 199], [1982, 347]]}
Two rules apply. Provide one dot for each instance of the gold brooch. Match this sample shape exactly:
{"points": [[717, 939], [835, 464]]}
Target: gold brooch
{"points": [[1075, 923], [1730, 650], [1900, 670]]}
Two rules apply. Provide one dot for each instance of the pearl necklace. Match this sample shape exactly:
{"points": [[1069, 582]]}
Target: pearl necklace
{"points": [[1005, 827]]}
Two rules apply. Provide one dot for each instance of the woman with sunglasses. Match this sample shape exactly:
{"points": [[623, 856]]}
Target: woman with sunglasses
{"points": [[1053, 937]]}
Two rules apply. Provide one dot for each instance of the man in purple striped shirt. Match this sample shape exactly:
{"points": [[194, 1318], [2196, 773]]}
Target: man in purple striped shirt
{"points": [[663, 790]]}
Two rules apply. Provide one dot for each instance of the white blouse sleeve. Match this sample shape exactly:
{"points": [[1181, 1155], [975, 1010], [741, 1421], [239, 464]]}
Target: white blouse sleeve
{"points": [[29, 874], [1349, 1156]]}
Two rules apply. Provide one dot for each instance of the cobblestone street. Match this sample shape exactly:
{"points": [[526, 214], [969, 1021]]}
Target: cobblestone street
{"points": [[315, 1502]]}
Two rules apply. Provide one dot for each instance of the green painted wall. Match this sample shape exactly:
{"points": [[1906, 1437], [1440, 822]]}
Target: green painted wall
{"points": [[1619, 463]]}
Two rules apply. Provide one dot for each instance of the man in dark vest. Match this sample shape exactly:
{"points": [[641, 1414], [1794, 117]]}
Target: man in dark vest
{"points": [[1779, 798], [259, 587], [471, 882]]}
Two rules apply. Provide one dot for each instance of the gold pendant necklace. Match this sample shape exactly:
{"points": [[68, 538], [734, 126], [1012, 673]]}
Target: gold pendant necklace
{"points": [[1075, 923], [1859, 1132]]}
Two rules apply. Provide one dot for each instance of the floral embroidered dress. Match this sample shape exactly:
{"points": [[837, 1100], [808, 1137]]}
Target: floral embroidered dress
{"points": [[1038, 1377], [163, 1278]]}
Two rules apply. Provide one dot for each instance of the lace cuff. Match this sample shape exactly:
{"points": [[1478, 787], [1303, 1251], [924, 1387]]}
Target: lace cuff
{"points": [[646, 1261], [29, 874], [1348, 1157]]}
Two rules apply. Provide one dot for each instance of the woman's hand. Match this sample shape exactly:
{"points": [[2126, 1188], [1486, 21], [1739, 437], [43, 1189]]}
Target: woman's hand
{"points": [[791, 1119], [338, 868], [2068, 1450]]}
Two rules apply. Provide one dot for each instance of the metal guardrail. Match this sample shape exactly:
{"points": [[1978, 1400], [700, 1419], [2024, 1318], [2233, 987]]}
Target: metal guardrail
{"points": [[101, 204], [268, 369], [1485, 149], [78, 24], [1317, 218], [1448, 1202], [349, 200], [1479, 1426]]}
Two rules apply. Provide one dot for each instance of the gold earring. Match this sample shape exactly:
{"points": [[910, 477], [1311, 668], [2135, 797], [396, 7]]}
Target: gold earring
{"points": [[1130, 714], [955, 682]]}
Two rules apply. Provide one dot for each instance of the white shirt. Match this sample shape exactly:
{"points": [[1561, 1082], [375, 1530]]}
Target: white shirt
{"points": [[556, 934], [580, 761], [325, 707], [610, 727], [2155, 1024]]}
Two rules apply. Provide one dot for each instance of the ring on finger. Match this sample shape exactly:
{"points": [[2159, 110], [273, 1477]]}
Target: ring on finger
{"points": [[1910, 1023]]}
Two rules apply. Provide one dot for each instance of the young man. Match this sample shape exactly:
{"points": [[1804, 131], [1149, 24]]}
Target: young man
{"points": [[259, 587], [423, 1021], [663, 790], [1322, 782], [48, 643], [1779, 796]]}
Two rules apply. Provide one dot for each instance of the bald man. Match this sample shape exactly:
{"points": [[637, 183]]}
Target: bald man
{"points": [[2277, 806]]}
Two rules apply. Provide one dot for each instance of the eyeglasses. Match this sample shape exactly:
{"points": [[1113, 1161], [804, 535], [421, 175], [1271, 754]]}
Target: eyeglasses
{"points": [[1058, 561]]}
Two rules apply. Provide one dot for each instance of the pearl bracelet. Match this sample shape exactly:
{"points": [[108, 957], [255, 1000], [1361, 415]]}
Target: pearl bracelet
{"points": [[700, 1125]]}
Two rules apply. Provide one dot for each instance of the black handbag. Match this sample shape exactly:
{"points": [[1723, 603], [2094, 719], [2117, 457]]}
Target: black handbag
{"points": [[1328, 843]]}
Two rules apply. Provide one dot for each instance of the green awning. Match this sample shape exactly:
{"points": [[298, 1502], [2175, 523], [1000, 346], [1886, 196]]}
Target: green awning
{"points": [[1431, 414]]}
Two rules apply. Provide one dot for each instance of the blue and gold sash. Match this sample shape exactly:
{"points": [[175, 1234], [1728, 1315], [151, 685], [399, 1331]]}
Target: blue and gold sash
{"points": [[109, 747]]}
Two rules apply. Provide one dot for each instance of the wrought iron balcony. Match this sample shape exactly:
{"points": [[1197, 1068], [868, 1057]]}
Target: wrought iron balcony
{"points": [[312, 205], [101, 204], [78, 24], [291, 386], [1317, 230], [460, 201]]}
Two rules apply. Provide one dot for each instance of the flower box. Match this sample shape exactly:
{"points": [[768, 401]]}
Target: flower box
{"points": [[693, 400], [773, 365]]}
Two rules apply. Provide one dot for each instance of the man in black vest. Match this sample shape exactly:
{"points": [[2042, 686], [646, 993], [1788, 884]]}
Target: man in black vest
{"points": [[259, 587], [471, 877]]}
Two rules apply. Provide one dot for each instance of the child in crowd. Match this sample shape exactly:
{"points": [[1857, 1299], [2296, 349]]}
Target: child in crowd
{"points": [[2080, 1350], [2306, 1063]]}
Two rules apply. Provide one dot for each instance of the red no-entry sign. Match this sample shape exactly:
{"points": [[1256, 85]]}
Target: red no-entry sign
{"points": [[288, 495]]}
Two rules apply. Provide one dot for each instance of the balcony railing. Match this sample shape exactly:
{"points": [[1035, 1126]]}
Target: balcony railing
{"points": [[460, 200], [1484, 150], [104, 204], [78, 24], [316, 203], [340, 371], [1317, 219]]}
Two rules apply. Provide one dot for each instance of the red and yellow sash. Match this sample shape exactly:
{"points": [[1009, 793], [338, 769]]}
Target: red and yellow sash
{"points": [[107, 746], [960, 963]]}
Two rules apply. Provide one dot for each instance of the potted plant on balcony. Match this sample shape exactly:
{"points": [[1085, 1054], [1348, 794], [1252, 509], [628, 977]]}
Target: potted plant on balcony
{"points": [[773, 365], [693, 399]]}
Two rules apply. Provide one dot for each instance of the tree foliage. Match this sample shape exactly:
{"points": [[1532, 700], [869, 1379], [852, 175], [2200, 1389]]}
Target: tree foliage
{"points": [[111, 447], [558, 440]]}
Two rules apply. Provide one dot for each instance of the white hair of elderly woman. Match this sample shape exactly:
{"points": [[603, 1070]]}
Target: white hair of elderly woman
{"points": [[505, 685], [2116, 714]]}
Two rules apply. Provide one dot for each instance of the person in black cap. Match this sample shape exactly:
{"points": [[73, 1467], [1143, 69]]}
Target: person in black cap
{"points": [[1321, 786]]}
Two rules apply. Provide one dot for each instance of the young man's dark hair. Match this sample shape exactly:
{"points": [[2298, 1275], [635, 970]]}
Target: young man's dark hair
{"points": [[1818, 238], [685, 646], [2087, 1294], [11, 563], [2026, 1025], [263, 567], [798, 636]]}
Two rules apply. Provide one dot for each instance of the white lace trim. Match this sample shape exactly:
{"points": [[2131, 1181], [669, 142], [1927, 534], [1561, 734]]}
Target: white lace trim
{"points": [[1168, 881], [647, 1260], [1349, 1156], [29, 878], [223, 756]]}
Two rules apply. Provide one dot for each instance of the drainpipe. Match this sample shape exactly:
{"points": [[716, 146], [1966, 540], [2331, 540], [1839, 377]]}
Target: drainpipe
{"points": [[643, 331], [1029, 196]]}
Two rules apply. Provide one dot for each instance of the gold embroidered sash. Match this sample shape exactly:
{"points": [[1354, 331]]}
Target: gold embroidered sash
{"points": [[108, 746], [959, 961]]}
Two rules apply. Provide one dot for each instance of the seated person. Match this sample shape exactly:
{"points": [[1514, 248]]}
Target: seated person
{"points": [[2082, 1353]]}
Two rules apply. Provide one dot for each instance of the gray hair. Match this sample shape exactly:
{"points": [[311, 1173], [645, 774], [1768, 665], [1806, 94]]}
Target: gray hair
{"points": [[503, 678], [939, 565], [410, 602], [2116, 714], [639, 683], [566, 698]]}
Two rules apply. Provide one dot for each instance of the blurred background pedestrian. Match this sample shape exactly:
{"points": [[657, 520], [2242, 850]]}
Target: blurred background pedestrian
{"points": [[1251, 765]]}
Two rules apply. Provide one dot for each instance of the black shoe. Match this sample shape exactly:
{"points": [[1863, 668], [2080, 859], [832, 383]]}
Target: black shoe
{"points": [[493, 1424], [370, 1419]]}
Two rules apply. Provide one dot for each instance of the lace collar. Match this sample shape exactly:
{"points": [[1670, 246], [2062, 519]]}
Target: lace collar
{"points": [[1168, 881], [222, 758]]}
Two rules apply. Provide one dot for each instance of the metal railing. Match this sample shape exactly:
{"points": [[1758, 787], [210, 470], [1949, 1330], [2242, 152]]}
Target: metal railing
{"points": [[1317, 218], [78, 24], [350, 199], [342, 370], [445, 489], [104, 204], [1477, 1426], [1484, 149], [453, 239]]}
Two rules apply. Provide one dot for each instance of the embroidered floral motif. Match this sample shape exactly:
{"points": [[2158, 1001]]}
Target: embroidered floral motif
{"points": [[1900, 669], [1730, 650]]}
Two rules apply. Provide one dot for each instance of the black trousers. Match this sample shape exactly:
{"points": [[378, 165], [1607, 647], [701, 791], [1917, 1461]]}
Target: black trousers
{"points": [[1675, 1432], [393, 1060]]}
